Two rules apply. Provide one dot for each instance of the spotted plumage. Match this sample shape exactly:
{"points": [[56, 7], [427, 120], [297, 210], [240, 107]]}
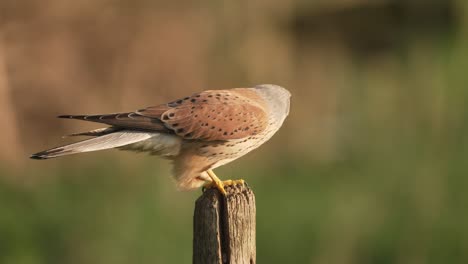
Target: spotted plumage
{"points": [[198, 132]]}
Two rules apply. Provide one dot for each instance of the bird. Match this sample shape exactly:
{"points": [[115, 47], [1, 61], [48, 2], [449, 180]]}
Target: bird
{"points": [[198, 133]]}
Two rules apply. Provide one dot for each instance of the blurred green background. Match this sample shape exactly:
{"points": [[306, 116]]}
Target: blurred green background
{"points": [[370, 167]]}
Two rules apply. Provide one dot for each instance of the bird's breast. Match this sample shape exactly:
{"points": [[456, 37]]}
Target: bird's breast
{"points": [[223, 152]]}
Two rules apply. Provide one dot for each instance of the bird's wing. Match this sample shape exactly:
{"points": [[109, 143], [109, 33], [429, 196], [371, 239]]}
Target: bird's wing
{"points": [[210, 115], [213, 115], [131, 120]]}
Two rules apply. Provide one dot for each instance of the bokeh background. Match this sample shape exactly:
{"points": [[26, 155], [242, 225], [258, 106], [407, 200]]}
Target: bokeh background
{"points": [[370, 167]]}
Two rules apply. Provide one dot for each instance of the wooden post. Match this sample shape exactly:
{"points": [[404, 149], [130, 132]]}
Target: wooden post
{"points": [[224, 227]]}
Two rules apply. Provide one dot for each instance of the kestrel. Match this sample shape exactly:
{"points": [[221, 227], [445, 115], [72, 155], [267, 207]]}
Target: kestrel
{"points": [[198, 133]]}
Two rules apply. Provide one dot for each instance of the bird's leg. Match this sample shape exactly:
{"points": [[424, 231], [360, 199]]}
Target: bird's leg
{"points": [[216, 182]]}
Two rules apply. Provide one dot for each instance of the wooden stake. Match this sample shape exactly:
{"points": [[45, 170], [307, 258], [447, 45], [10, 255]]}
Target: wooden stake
{"points": [[224, 227]]}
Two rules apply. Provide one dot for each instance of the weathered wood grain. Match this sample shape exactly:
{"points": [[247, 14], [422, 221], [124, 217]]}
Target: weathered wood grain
{"points": [[224, 227]]}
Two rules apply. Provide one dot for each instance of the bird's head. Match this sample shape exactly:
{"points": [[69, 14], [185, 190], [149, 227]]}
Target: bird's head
{"points": [[277, 97]]}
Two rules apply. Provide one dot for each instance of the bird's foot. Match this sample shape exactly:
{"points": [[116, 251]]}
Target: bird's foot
{"points": [[234, 182], [221, 184], [216, 183]]}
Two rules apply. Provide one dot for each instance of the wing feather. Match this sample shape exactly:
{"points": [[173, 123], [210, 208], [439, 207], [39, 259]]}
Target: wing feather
{"points": [[124, 120], [210, 115], [213, 115]]}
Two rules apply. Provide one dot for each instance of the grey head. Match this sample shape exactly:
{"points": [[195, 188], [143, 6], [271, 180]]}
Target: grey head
{"points": [[277, 98]]}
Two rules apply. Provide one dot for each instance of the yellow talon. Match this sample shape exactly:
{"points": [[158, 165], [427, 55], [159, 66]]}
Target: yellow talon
{"points": [[233, 182], [218, 184]]}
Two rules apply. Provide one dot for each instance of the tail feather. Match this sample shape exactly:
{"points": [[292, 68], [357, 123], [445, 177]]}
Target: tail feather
{"points": [[96, 132], [113, 140]]}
